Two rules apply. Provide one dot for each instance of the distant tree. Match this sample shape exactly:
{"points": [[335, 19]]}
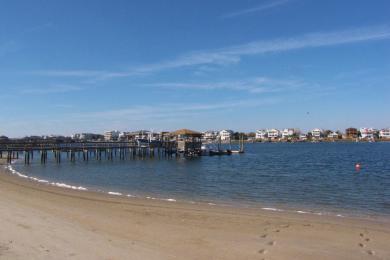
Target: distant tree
{"points": [[327, 132], [251, 134]]}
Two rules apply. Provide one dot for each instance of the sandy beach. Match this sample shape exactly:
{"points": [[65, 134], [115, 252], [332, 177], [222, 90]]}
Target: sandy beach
{"points": [[39, 221]]}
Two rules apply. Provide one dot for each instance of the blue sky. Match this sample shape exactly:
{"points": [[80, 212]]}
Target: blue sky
{"points": [[90, 66]]}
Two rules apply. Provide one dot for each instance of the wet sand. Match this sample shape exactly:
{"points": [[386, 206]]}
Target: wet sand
{"points": [[39, 221]]}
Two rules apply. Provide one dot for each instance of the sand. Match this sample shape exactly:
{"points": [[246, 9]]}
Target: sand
{"points": [[39, 221]]}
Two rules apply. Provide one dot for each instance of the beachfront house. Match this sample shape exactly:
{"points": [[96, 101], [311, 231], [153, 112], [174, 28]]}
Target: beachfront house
{"points": [[351, 133], [273, 134], [226, 135], [367, 133], [333, 135], [111, 135], [303, 137], [87, 137], [209, 136], [317, 133], [384, 133], [288, 133], [261, 135]]}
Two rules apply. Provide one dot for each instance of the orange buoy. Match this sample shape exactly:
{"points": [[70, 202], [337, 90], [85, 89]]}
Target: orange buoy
{"points": [[357, 166]]}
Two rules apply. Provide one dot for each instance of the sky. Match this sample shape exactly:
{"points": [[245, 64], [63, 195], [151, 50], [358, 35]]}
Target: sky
{"points": [[90, 66]]}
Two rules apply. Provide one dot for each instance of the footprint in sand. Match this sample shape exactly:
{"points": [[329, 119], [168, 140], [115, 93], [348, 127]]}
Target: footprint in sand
{"points": [[272, 243], [263, 251], [362, 245], [264, 236], [3, 249]]}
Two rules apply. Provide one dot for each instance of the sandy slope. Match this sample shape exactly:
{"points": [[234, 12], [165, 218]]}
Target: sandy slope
{"points": [[43, 222]]}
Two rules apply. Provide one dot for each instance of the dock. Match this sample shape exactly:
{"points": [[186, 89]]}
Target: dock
{"points": [[85, 151]]}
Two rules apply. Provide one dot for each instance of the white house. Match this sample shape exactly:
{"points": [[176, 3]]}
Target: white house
{"points": [[261, 134], [316, 133], [226, 135], [367, 133], [384, 133], [273, 133], [333, 135], [303, 137], [111, 135], [288, 133], [210, 135]]}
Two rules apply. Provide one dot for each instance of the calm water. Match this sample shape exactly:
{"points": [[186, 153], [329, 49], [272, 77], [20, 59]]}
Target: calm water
{"points": [[318, 177]]}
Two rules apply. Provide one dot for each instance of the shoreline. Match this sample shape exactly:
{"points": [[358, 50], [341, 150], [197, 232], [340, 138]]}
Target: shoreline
{"points": [[237, 205], [43, 221]]}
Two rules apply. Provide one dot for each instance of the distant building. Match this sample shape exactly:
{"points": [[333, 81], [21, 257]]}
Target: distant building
{"points": [[111, 135], [316, 133], [4, 138], [87, 137], [188, 141], [288, 133], [273, 134], [226, 135], [261, 134], [367, 133], [333, 135], [351, 132], [303, 137], [384, 133], [209, 136]]}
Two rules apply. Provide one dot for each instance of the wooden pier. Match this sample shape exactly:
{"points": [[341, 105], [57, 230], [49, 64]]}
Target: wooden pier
{"points": [[85, 151]]}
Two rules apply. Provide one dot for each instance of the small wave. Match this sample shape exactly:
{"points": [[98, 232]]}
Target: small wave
{"points": [[114, 193], [272, 209]]}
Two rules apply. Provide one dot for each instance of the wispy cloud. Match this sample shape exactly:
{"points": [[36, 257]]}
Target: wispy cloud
{"points": [[52, 89], [234, 54], [256, 9], [253, 85], [175, 110]]}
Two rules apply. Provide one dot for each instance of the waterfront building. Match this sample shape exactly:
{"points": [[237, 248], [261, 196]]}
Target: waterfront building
{"points": [[367, 133], [188, 141], [384, 133], [4, 138], [226, 135], [87, 137], [317, 133], [303, 137], [111, 135], [351, 132], [273, 134], [333, 135], [261, 134], [288, 133], [209, 136]]}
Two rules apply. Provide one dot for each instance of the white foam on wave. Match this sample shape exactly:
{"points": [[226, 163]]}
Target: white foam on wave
{"points": [[170, 200], [114, 193], [211, 204], [57, 184], [67, 186], [272, 209]]}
